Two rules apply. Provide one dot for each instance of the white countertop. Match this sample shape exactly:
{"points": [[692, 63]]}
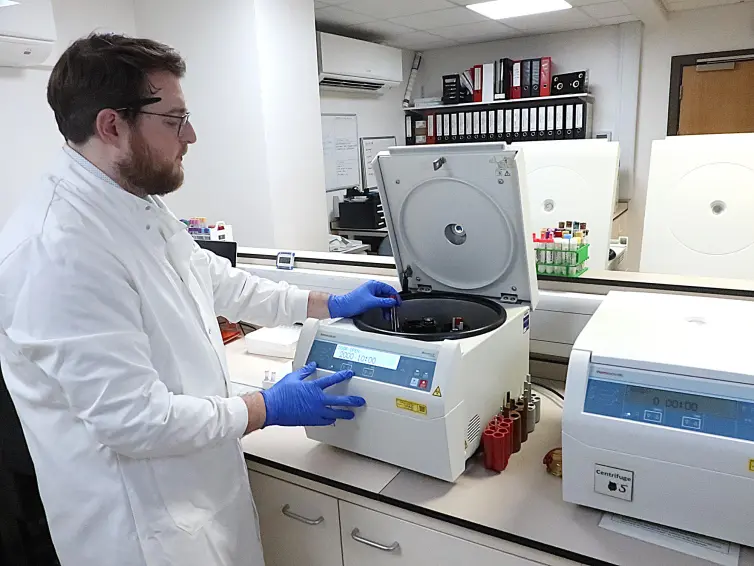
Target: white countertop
{"points": [[523, 501]]}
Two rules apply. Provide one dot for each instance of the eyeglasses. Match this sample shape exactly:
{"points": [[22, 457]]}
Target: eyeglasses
{"points": [[137, 106]]}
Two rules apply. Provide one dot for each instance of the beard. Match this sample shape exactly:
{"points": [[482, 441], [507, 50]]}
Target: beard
{"points": [[145, 174]]}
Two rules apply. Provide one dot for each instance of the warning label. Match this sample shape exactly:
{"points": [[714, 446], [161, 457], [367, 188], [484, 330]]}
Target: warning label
{"points": [[437, 392], [411, 406]]}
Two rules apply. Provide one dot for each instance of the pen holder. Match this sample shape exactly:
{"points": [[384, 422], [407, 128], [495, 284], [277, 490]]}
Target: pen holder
{"points": [[561, 262]]}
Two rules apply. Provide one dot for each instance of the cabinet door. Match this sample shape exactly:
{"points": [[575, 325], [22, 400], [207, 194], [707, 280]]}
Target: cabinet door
{"points": [[374, 539], [298, 526]]}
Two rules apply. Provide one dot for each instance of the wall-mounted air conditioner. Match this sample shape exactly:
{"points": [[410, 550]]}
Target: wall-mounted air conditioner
{"points": [[352, 65], [27, 32]]}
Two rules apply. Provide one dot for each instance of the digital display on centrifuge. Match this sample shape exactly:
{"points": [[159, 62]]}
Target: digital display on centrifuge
{"points": [[376, 365], [731, 418], [669, 400], [367, 357]]}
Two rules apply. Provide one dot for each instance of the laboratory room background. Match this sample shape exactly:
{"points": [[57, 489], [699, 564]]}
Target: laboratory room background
{"points": [[358, 283]]}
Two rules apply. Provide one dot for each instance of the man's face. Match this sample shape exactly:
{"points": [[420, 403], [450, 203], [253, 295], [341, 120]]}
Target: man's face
{"points": [[154, 163]]}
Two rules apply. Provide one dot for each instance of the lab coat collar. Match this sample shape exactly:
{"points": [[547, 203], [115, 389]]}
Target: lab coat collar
{"points": [[104, 192]]}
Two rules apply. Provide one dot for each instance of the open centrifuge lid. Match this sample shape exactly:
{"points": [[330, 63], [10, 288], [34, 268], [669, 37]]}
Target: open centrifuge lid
{"points": [[458, 220]]}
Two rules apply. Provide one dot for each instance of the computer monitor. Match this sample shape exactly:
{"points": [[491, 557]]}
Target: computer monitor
{"points": [[228, 250]]}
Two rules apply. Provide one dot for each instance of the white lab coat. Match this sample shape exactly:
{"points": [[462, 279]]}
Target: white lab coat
{"points": [[112, 354]]}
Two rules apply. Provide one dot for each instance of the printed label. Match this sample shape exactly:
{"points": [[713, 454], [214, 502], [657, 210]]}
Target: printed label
{"points": [[437, 392], [614, 482], [411, 406]]}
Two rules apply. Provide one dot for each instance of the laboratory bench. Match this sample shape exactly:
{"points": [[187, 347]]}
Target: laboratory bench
{"points": [[343, 508]]}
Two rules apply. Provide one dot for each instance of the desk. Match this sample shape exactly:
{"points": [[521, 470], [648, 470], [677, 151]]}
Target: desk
{"points": [[520, 511], [376, 235]]}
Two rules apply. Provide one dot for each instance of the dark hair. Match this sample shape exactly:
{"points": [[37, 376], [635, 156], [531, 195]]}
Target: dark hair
{"points": [[105, 71]]}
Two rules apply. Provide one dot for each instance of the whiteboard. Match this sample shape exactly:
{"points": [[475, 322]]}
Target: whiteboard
{"points": [[340, 141], [370, 147]]}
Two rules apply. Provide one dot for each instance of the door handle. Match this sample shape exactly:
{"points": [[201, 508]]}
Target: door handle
{"points": [[356, 535], [286, 510]]}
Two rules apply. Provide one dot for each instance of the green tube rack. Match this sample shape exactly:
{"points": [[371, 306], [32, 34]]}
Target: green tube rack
{"points": [[560, 262]]}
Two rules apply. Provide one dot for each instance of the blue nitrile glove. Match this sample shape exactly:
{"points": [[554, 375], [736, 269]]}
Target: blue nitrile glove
{"points": [[295, 402], [370, 295]]}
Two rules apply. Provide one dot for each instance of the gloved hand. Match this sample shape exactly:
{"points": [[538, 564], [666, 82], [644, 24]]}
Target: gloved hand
{"points": [[295, 402], [370, 295]]}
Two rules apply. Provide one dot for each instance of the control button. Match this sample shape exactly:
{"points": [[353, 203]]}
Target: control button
{"points": [[368, 372], [694, 423], [414, 381], [417, 373], [346, 366], [426, 375], [653, 416], [423, 384]]}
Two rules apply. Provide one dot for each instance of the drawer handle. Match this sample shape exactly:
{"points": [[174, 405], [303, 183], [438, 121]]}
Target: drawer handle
{"points": [[356, 535], [312, 522]]}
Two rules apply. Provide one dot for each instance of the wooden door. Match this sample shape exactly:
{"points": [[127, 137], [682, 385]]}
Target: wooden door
{"points": [[719, 101]]}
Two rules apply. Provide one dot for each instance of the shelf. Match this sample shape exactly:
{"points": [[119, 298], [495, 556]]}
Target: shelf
{"points": [[586, 97]]}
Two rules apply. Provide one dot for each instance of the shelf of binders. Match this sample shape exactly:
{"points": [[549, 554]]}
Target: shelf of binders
{"points": [[535, 99]]}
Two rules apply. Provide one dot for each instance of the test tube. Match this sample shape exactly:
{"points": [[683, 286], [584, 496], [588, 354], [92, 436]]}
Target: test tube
{"points": [[549, 245], [558, 255]]}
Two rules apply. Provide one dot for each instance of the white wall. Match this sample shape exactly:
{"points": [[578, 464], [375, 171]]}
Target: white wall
{"points": [[251, 86], [377, 116], [724, 28], [223, 180], [29, 137]]}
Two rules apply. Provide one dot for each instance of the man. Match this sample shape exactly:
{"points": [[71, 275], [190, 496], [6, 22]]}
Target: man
{"points": [[109, 338]]}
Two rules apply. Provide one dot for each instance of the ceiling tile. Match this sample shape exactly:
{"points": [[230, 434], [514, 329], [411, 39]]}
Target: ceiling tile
{"points": [[618, 20], [384, 29], [387, 9], [560, 20], [579, 3], [440, 18], [675, 6], [484, 31], [420, 40], [607, 10], [337, 15]]}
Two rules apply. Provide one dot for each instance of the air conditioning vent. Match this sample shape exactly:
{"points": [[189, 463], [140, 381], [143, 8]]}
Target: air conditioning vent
{"points": [[355, 66], [346, 84]]}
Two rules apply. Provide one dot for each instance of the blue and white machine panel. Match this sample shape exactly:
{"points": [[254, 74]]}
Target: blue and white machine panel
{"points": [[731, 418], [376, 365]]}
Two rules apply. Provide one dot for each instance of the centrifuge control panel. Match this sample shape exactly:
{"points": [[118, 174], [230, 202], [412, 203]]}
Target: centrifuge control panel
{"points": [[376, 365], [731, 418]]}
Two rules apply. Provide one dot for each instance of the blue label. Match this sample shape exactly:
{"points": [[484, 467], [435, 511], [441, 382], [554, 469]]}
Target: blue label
{"points": [[526, 323]]}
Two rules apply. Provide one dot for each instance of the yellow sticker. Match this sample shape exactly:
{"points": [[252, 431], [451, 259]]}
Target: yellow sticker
{"points": [[411, 406], [437, 392], [751, 465]]}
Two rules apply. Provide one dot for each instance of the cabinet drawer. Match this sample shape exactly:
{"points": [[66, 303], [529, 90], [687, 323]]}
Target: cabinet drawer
{"points": [[298, 526], [374, 539]]}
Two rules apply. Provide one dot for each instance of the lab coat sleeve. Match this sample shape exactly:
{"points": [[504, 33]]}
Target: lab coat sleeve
{"points": [[78, 318], [241, 296]]}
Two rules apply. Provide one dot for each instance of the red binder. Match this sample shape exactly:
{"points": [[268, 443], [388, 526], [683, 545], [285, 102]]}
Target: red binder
{"points": [[545, 79], [516, 83], [477, 74]]}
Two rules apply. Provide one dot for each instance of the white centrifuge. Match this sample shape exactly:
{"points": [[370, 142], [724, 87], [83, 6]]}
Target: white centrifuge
{"points": [[658, 422], [458, 223]]}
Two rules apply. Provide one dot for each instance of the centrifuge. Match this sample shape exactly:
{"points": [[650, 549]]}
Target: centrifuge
{"points": [[436, 370]]}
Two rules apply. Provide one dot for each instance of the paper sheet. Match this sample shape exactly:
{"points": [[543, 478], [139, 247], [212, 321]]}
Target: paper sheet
{"points": [[713, 550]]}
